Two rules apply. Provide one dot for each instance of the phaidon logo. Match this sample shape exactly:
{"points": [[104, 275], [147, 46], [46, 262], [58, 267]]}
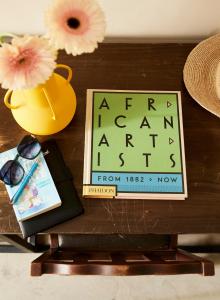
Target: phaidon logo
{"points": [[99, 191]]}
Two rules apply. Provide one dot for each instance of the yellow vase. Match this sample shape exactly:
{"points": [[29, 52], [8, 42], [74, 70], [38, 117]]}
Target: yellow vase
{"points": [[46, 109]]}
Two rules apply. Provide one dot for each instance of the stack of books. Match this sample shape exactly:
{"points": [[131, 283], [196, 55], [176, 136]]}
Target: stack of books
{"points": [[49, 198]]}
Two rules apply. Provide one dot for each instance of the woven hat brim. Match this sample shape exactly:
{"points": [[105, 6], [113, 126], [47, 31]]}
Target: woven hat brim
{"points": [[201, 74]]}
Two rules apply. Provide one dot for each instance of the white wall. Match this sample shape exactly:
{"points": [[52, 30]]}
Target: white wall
{"points": [[126, 18]]}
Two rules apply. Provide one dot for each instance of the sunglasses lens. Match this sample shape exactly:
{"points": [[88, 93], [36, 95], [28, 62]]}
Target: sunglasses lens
{"points": [[29, 147], [12, 172]]}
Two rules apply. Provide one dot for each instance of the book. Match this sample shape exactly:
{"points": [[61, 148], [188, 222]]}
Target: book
{"points": [[71, 205], [134, 147], [39, 195]]}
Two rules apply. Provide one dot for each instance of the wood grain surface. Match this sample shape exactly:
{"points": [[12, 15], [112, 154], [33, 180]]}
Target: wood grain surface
{"points": [[145, 67]]}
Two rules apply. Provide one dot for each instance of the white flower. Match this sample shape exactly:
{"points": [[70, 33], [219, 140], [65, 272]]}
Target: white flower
{"points": [[75, 25], [25, 63]]}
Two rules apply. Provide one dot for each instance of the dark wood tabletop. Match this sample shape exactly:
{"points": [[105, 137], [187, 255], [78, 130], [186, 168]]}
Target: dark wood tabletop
{"points": [[134, 67]]}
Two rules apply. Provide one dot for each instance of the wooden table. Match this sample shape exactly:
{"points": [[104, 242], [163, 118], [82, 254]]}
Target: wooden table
{"points": [[135, 67], [144, 67]]}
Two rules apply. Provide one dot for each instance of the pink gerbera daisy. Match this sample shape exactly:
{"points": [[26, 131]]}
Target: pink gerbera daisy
{"points": [[25, 63], [75, 25]]}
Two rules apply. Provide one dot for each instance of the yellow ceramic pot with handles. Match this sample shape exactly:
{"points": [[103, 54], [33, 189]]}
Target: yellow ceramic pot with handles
{"points": [[46, 109]]}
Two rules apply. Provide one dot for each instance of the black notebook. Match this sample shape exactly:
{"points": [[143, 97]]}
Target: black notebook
{"points": [[71, 205]]}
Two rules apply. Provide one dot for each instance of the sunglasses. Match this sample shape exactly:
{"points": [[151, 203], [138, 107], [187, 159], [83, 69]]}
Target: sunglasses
{"points": [[12, 172]]}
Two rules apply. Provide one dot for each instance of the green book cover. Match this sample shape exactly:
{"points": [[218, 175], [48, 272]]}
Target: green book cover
{"points": [[134, 145]]}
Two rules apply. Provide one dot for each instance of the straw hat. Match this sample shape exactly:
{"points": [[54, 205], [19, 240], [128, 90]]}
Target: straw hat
{"points": [[202, 74]]}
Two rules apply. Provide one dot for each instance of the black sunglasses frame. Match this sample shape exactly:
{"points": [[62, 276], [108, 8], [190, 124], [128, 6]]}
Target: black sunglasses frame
{"points": [[15, 160]]}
